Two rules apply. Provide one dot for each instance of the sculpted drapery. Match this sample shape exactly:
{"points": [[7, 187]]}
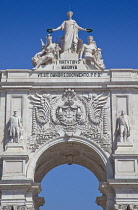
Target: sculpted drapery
{"points": [[71, 29]]}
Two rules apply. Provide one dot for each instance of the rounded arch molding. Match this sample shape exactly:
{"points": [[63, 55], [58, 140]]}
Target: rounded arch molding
{"points": [[72, 151]]}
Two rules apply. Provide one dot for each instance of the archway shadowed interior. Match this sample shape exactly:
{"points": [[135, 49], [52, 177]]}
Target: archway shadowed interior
{"points": [[71, 152]]}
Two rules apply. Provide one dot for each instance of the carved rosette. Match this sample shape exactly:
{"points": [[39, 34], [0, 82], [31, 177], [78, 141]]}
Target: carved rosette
{"points": [[67, 115]]}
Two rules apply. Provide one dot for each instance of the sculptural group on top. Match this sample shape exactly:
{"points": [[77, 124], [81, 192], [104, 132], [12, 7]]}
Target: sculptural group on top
{"points": [[69, 44]]}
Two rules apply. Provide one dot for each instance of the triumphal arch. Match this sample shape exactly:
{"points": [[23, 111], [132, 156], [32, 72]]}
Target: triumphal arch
{"points": [[68, 109]]}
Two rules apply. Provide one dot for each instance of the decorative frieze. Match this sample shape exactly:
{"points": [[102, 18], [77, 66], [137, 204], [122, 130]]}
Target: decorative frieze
{"points": [[15, 208], [126, 207]]}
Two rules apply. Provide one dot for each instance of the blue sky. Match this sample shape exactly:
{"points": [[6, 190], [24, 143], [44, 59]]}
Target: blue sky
{"points": [[70, 187], [24, 22]]}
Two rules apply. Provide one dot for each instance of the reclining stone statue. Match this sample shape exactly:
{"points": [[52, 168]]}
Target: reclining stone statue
{"points": [[49, 53], [92, 54]]}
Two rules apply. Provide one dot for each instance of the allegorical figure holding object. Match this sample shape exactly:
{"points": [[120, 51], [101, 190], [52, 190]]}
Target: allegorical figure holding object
{"points": [[123, 127], [49, 53], [15, 128], [71, 30], [89, 49], [91, 53]]}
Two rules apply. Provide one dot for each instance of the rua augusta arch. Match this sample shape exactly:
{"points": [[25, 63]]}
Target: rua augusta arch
{"points": [[68, 109]]}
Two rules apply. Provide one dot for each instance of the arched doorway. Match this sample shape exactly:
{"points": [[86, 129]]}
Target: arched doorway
{"points": [[71, 151]]}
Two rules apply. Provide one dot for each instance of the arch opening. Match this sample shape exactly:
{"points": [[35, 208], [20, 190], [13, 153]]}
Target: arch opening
{"points": [[73, 152], [70, 187]]}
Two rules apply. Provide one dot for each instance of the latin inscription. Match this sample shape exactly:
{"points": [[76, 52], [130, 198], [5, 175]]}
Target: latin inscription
{"points": [[68, 67], [70, 74], [69, 62]]}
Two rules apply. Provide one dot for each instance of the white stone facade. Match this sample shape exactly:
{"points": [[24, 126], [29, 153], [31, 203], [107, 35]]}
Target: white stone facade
{"points": [[68, 109], [69, 117]]}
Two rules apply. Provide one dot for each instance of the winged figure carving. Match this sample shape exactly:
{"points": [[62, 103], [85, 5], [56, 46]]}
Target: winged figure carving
{"points": [[42, 107], [95, 104]]}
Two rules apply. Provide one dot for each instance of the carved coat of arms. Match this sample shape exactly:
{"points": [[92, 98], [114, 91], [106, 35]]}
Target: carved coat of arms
{"points": [[69, 114]]}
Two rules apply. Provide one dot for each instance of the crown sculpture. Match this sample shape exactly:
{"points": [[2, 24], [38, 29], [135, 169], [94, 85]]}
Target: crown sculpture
{"points": [[70, 48]]}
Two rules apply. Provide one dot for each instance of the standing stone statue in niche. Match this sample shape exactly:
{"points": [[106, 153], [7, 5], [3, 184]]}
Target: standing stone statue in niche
{"points": [[123, 127], [15, 128], [92, 54], [71, 30], [49, 53]]}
